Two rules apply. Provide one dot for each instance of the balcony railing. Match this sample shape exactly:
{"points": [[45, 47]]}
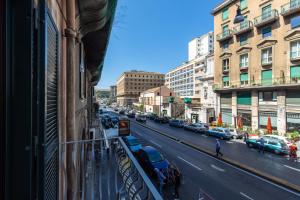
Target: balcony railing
{"points": [[266, 61], [244, 66], [243, 27], [290, 8], [295, 55], [224, 35], [282, 81], [266, 18]]}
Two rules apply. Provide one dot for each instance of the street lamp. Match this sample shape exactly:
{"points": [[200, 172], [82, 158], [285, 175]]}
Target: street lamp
{"points": [[239, 17]]}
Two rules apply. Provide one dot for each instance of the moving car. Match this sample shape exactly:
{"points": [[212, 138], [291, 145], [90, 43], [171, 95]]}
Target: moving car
{"points": [[152, 116], [272, 143], [235, 134], [141, 118], [150, 158], [132, 143], [131, 115], [222, 133], [176, 123], [162, 120], [197, 127]]}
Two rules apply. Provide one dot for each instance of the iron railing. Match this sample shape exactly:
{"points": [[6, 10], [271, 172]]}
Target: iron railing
{"points": [[243, 27], [224, 35], [290, 7], [266, 17]]}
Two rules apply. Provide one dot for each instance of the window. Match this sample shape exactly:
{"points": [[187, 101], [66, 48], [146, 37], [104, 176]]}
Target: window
{"points": [[295, 22], [82, 78], [243, 4], [225, 64], [243, 39], [295, 72], [266, 56], [225, 30], [295, 49], [244, 79], [225, 45], [266, 32], [268, 96], [225, 14], [266, 12], [205, 92], [244, 60], [266, 77], [225, 81], [244, 98]]}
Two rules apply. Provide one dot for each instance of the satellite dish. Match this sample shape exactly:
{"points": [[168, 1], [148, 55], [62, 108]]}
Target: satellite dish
{"points": [[239, 17]]}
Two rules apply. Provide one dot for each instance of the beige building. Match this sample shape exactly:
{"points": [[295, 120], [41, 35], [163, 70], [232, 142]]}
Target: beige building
{"points": [[257, 63], [132, 83], [162, 101]]}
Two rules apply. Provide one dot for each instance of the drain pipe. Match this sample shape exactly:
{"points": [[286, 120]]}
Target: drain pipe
{"points": [[70, 33]]}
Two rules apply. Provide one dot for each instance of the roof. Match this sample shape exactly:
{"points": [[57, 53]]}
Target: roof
{"points": [[156, 89], [149, 149], [221, 6], [130, 137]]}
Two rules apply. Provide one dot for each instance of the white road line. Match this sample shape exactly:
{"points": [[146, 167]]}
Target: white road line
{"points": [[229, 142], [217, 168], [298, 170], [155, 143], [189, 163], [204, 135], [244, 195]]}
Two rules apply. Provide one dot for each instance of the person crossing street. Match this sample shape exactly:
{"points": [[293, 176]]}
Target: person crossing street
{"points": [[218, 148]]}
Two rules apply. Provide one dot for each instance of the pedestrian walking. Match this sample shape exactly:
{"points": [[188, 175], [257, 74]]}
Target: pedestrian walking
{"points": [[293, 152], [218, 148], [177, 182], [161, 179], [246, 136], [261, 145]]}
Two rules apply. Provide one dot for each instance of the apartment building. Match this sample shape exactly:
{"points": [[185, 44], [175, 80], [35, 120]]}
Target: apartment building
{"points": [[201, 45], [257, 63], [130, 85]]}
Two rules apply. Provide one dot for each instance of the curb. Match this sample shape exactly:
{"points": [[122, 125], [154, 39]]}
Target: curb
{"points": [[234, 163]]}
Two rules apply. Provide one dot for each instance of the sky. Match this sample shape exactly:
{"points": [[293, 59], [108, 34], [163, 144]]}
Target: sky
{"points": [[153, 35]]}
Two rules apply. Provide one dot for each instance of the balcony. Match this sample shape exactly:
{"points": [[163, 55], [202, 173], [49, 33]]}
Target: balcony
{"points": [[295, 56], [224, 35], [266, 61], [266, 18], [281, 82], [243, 27], [290, 8], [243, 67]]}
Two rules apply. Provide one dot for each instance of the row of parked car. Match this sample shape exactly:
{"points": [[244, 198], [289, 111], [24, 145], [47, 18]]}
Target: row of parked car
{"points": [[149, 158]]}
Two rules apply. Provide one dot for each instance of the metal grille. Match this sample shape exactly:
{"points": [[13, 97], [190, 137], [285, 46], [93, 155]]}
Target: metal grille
{"points": [[51, 123]]}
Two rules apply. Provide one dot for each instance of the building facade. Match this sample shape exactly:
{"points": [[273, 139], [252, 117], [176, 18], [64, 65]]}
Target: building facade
{"points": [[132, 83], [113, 93], [257, 63], [201, 45]]}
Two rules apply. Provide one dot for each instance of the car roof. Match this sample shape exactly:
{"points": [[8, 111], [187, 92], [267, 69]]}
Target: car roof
{"points": [[130, 137], [149, 149], [276, 136]]}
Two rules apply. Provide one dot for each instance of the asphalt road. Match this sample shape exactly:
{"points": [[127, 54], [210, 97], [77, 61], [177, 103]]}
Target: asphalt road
{"points": [[209, 178], [269, 163]]}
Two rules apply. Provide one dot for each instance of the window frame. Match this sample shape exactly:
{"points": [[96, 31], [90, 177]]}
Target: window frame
{"points": [[225, 14], [269, 56], [266, 34], [297, 42]]}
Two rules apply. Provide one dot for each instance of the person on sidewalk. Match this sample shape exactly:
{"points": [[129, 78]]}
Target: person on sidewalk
{"points": [[261, 145], [161, 179], [218, 148], [177, 182]]}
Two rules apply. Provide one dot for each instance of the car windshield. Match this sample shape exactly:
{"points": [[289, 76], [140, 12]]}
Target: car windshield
{"points": [[155, 157], [133, 142]]}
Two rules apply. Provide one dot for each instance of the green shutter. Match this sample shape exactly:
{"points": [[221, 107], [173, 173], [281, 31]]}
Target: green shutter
{"points": [[244, 98], [267, 77], [225, 14], [226, 79], [244, 77], [226, 99], [295, 71], [243, 4]]}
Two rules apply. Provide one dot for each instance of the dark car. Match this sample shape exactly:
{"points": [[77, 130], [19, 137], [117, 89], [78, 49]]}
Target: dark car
{"points": [[106, 121], [131, 115], [197, 127], [114, 119], [162, 120], [176, 123], [150, 158], [133, 144], [222, 133], [121, 112], [152, 116]]}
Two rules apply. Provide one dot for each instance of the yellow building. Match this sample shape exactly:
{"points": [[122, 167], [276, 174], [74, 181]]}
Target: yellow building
{"points": [[257, 62], [132, 83]]}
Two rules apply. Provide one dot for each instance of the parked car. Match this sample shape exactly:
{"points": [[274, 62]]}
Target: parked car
{"points": [[152, 116], [176, 123], [121, 112], [162, 120], [197, 127], [150, 158], [133, 144], [114, 119], [131, 115], [272, 143], [141, 118], [236, 134], [222, 133]]}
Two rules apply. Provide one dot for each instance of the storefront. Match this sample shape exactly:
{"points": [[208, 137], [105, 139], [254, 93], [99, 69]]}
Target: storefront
{"points": [[226, 116], [245, 116], [293, 121], [263, 119]]}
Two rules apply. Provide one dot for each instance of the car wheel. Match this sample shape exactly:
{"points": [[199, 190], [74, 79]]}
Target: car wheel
{"points": [[249, 145], [276, 151], [221, 138]]}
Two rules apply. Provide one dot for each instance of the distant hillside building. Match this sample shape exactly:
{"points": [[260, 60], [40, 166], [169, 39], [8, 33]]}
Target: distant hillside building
{"points": [[132, 83]]}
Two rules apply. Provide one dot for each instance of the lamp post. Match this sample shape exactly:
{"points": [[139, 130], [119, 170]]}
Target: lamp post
{"points": [[239, 17]]}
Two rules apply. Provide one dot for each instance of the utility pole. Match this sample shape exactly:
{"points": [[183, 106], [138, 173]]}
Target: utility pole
{"points": [[160, 101]]}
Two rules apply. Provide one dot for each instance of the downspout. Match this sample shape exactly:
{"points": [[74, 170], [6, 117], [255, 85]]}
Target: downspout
{"points": [[70, 33]]}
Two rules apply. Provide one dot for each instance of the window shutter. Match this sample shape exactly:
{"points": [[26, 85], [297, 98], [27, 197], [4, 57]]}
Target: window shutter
{"points": [[295, 71]]}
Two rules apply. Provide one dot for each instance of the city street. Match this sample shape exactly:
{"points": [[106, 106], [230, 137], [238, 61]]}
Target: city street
{"points": [[208, 177], [269, 163]]}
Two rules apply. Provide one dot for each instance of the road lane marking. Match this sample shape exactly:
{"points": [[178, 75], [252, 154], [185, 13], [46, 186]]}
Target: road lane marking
{"points": [[155, 143], [217, 168], [204, 135], [189, 163], [244, 195], [298, 170], [229, 142]]}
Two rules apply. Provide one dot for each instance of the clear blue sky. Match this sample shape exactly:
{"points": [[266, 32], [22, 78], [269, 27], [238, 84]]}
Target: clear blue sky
{"points": [[153, 35]]}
